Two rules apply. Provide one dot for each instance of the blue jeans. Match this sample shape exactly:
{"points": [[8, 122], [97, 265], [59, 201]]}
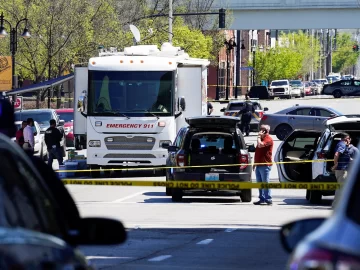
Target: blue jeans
{"points": [[263, 176], [55, 153]]}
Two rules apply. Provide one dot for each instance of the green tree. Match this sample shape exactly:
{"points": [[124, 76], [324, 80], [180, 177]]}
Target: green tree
{"points": [[344, 57]]}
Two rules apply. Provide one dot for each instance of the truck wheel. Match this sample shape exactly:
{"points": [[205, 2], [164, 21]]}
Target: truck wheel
{"points": [[289, 96], [245, 195], [282, 131], [177, 195], [315, 197], [96, 172]]}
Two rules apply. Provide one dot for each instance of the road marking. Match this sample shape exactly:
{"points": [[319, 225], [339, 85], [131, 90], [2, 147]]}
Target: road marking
{"points": [[230, 230], [160, 258], [129, 197], [205, 242]]}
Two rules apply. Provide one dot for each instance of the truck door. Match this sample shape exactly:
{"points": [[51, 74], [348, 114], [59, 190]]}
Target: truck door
{"points": [[81, 84]]}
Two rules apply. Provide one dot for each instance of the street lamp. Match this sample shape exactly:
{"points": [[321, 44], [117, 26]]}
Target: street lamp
{"points": [[13, 40], [230, 45]]}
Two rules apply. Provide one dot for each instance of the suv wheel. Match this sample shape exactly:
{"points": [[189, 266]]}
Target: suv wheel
{"points": [[177, 195], [245, 195], [315, 197]]}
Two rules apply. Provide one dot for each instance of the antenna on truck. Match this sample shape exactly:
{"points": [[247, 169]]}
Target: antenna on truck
{"points": [[136, 33]]}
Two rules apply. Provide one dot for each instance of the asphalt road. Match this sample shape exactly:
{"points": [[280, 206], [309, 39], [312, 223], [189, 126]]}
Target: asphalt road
{"points": [[200, 232]]}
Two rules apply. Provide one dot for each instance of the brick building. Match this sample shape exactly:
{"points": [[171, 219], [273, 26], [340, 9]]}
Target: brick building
{"points": [[240, 58]]}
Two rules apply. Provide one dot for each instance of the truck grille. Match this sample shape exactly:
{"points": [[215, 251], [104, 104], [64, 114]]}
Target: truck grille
{"points": [[134, 143], [278, 90], [129, 156]]}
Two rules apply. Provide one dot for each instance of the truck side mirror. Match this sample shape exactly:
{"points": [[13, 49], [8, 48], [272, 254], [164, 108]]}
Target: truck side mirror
{"points": [[181, 104], [81, 104]]}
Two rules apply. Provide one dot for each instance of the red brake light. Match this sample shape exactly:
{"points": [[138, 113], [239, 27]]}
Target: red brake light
{"points": [[321, 155], [261, 114], [181, 161], [264, 117], [227, 113], [244, 161]]}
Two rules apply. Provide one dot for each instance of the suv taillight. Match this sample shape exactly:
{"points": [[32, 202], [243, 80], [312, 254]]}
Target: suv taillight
{"points": [[261, 114], [321, 155], [181, 160], [244, 161], [264, 117], [317, 258]]}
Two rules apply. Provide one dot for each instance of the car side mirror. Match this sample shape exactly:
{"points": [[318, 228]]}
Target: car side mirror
{"points": [[223, 110], [81, 103], [173, 148], [181, 104], [266, 109], [293, 233], [101, 231], [250, 147], [62, 123]]}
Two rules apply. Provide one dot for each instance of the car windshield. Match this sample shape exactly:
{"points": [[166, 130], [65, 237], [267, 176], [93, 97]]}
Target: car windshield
{"points": [[279, 83], [135, 93], [42, 117], [295, 83], [66, 116]]}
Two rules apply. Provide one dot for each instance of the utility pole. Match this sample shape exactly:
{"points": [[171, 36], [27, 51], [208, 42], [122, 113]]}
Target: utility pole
{"points": [[170, 20]]}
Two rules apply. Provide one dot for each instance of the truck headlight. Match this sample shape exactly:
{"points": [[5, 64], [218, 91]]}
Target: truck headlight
{"points": [[164, 141], [96, 143]]}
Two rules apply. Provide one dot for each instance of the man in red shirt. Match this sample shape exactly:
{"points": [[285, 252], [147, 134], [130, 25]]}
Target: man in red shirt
{"points": [[263, 161], [20, 134]]}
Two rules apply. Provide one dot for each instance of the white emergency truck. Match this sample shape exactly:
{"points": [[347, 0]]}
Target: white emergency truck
{"points": [[131, 104]]}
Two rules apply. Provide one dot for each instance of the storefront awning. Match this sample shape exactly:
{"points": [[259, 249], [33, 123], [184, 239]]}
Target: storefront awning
{"points": [[42, 85]]}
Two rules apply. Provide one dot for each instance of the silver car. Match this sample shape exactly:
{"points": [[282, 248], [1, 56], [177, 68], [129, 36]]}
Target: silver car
{"points": [[285, 121], [235, 106], [317, 243], [343, 88], [297, 88]]}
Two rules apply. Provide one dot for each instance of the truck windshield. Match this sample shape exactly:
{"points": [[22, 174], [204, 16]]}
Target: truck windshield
{"points": [[130, 93], [279, 83]]}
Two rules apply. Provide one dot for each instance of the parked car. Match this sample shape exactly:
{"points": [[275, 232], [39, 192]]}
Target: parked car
{"points": [[332, 243], [307, 89], [43, 117], [210, 141], [297, 88], [343, 88], [285, 121], [260, 92], [68, 116], [317, 146], [235, 106], [316, 88], [40, 148], [35, 229], [281, 89]]}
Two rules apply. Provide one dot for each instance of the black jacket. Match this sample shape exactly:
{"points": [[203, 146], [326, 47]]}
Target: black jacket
{"points": [[53, 136]]}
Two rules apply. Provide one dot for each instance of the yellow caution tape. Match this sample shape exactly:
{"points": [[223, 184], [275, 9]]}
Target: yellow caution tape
{"points": [[218, 185], [198, 166]]}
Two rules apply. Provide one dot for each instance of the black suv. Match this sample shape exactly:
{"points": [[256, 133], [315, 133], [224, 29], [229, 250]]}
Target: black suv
{"points": [[209, 141]]}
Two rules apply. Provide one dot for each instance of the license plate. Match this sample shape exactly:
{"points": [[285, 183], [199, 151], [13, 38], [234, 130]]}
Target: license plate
{"points": [[212, 177]]}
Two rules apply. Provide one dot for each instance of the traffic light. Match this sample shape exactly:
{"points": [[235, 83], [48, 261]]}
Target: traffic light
{"points": [[356, 48], [222, 18]]}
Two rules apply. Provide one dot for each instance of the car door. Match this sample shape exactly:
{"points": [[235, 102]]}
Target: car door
{"points": [[318, 165], [300, 118], [297, 147], [320, 115], [172, 154]]}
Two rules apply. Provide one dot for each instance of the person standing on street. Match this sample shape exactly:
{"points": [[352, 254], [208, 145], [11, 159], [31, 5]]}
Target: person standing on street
{"points": [[263, 162], [246, 114], [341, 162], [20, 134], [29, 139], [210, 108], [53, 138]]}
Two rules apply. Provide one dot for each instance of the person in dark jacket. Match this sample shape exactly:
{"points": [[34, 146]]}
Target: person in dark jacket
{"points": [[246, 114], [210, 108], [52, 139]]}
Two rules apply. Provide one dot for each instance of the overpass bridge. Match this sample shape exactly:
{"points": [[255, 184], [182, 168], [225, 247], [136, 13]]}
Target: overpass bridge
{"points": [[292, 14]]}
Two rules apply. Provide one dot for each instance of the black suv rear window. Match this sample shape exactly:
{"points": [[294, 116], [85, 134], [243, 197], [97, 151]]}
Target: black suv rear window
{"points": [[213, 141]]}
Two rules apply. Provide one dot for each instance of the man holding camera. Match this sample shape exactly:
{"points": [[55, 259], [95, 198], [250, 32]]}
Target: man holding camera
{"points": [[263, 162]]}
